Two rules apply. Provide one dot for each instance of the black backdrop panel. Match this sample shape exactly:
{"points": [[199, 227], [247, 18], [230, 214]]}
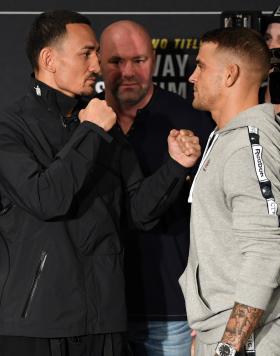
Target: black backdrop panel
{"points": [[138, 5]]}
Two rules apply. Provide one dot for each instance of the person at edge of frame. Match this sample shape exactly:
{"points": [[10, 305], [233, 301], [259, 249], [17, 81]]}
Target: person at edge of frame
{"points": [[154, 260], [67, 178], [271, 30], [231, 283]]}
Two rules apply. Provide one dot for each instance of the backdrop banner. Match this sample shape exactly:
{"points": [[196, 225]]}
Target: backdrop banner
{"points": [[175, 28]]}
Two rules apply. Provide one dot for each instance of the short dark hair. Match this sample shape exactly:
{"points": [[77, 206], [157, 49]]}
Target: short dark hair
{"points": [[47, 28], [244, 43]]}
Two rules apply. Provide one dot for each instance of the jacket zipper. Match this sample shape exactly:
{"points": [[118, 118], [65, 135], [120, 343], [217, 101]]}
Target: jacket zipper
{"points": [[4, 210], [36, 279]]}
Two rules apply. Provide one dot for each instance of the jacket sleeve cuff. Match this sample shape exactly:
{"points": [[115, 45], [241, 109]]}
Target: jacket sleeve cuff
{"points": [[98, 130], [177, 169], [78, 140]]}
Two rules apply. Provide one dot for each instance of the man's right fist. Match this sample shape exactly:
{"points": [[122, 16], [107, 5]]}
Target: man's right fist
{"points": [[99, 113]]}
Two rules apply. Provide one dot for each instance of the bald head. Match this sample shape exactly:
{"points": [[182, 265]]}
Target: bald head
{"points": [[122, 32], [127, 62]]}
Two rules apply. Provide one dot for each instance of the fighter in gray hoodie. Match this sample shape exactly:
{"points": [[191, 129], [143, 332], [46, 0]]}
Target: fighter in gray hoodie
{"points": [[231, 284]]}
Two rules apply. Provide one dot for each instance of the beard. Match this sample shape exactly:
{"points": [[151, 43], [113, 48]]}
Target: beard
{"points": [[89, 86], [129, 95], [205, 99], [198, 105]]}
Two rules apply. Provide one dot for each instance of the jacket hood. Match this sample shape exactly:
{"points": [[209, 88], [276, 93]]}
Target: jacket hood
{"points": [[259, 115]]}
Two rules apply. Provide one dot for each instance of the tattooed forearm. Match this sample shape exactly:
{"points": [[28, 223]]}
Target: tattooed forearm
{"points": [[242, 322]]}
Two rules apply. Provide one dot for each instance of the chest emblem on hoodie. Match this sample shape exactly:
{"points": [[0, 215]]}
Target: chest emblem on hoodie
{"points": [[206, 164]]}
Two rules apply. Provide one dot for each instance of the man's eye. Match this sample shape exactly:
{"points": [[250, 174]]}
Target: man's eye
{"points": [[115, 61], [267, 37], [139, 60]]}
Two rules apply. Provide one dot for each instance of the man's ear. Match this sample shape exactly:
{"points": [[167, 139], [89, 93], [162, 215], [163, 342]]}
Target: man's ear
{"points": [[232, 74], [46, 59]]}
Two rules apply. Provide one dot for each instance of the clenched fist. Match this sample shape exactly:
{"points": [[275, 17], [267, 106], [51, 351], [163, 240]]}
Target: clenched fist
{"points": [[99, 113], [184, 147]]}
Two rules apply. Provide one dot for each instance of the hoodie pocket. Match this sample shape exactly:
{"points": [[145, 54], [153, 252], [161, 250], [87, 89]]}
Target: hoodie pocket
{"points": [[201, 298], [34, 285], [198, 309]]}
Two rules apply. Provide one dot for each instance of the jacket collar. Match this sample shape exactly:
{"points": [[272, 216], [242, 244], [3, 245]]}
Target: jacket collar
{"points": [[54, 99]]}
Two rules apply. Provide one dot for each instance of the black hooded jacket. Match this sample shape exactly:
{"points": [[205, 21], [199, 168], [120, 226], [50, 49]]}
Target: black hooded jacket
{"points": [[65, 187]]}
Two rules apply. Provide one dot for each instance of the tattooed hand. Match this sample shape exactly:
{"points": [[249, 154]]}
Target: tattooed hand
{"points": [[242, 322]]}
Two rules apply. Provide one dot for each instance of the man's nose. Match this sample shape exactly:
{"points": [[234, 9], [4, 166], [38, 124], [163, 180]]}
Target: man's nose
{"points": [[193, 76], [95, 64], [127, 69]]}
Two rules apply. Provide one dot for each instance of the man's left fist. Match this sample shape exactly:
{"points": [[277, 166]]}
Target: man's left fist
{"points": [[184, 147]]}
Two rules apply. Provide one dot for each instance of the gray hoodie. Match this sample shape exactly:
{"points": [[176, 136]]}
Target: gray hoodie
{"points": [[235, 235]]}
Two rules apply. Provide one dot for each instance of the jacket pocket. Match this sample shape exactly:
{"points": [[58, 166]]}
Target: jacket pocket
{"points": [[34, 286]]}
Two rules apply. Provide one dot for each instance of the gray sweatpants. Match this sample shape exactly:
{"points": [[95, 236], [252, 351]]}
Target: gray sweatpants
{"points": [[267, 342]]}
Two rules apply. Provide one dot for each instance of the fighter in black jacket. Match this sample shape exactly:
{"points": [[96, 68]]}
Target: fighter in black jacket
{"points": [[67, 178]]}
